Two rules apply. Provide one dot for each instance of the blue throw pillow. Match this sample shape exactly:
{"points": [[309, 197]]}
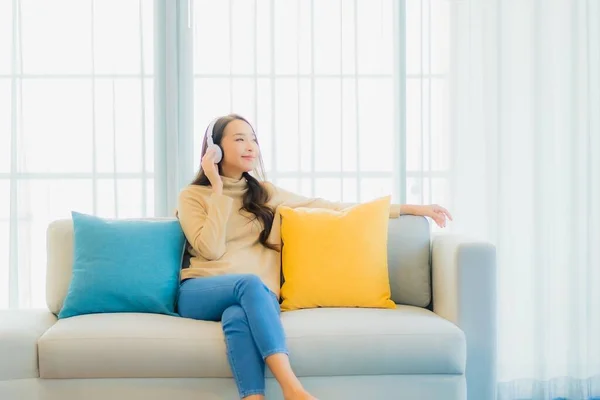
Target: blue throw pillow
{"points": [[124, 266]]}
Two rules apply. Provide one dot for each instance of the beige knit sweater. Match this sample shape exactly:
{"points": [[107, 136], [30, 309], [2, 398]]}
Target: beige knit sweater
{"points": [[224, 239]]}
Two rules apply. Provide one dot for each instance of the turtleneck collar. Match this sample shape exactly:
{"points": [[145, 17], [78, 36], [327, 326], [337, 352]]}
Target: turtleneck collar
{"points": [[234, 184]]}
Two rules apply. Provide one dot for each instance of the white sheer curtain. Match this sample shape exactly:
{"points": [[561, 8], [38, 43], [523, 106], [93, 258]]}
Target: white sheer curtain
{"points": [[76, 125], [523, 108]]}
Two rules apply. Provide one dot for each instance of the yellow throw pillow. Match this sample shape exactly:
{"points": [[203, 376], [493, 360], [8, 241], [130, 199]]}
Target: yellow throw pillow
{"points": [[336, 258]]}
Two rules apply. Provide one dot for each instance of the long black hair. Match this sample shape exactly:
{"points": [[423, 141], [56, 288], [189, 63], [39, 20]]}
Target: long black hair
{"points": [[256, 196]]}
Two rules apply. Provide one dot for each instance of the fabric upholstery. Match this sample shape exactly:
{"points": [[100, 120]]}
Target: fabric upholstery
{"points": [[371, 387], [406, 340], [19, 333], [464, 292], [409, 259]]}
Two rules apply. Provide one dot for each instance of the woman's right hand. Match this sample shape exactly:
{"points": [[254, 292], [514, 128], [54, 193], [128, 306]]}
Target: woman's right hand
{"points": [[211, 170]]}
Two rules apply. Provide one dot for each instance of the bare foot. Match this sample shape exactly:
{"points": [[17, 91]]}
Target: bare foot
{"points": [[300, 394]]}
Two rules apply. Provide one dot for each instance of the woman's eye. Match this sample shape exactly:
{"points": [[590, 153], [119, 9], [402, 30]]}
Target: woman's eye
{"points": [[239, 139]]}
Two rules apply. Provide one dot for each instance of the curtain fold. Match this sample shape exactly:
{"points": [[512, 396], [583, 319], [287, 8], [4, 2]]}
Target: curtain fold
{"points": [[525, 137]]}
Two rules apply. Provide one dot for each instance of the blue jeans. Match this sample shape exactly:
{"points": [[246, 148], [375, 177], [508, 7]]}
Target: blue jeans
{"points": [[249, 313]]}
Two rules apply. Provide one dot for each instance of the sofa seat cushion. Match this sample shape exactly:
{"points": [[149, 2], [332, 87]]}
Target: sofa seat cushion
{"points": [[19, 334], [322, 342], [353, 341], [132, 345]]}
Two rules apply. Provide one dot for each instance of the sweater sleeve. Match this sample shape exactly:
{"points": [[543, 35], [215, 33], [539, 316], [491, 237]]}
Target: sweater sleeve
{"points": [[204, 226], [286, 198]]}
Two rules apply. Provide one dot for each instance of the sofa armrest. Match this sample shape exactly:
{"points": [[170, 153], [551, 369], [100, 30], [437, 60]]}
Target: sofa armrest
{"points": [[19, 334], [464, 292]]}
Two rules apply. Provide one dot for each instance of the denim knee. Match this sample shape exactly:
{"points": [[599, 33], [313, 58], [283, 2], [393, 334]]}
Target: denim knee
{"points": [[250, 282], [232, 316]]}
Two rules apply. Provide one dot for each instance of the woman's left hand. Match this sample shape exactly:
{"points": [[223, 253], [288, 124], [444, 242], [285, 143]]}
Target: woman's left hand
{"points": [[437, 213]]}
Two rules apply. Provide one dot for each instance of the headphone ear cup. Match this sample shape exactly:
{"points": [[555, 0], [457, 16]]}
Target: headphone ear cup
{"points": [[218, 153], [212, 145]]}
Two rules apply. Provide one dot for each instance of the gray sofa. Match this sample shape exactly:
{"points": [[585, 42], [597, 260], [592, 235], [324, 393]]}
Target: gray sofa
{"points": [[438, 344]]}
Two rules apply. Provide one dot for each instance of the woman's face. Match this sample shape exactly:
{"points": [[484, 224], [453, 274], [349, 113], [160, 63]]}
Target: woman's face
{"points": [[240, 148]]}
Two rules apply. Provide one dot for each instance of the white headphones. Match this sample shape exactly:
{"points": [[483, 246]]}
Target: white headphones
{"points": [[211, 144]]}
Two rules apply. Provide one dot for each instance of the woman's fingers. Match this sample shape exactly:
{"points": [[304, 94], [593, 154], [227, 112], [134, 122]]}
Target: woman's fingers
{"points": [[439, 217], [447, 214], [441, 209], [210, 155]]}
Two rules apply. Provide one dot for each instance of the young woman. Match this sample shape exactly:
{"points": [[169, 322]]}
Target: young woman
{"points": [[230, 220]]}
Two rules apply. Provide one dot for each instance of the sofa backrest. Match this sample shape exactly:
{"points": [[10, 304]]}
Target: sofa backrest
{"points": [[408, 261]]}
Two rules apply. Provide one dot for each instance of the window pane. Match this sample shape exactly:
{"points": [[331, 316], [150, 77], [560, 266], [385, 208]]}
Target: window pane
{"points": [[414, 45], [264, 32], [375, 35], [372, 188], [51, 47], [120, 125], [150, 200], [306, 189], [440, 36], [327, 37], [123, 198], [39, 203], [350, 190], [264, 121], [428, 191], [6, 29], [440, 125], [244, 98], [243, 21], [349, 125], [105, 198], [286, 40], [119, 34], [414, 191], [428, 134], [5, 124], [328, 188], [290, 184], [211, 36], [347, 44], [56, 130], [305, 56], [287, 152], [148, 128], [49, 199], [427, 35], [4, 200], [376, 124], [328, 130], [305, 125], [414, 149], [130, 198], [440, 192]]}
